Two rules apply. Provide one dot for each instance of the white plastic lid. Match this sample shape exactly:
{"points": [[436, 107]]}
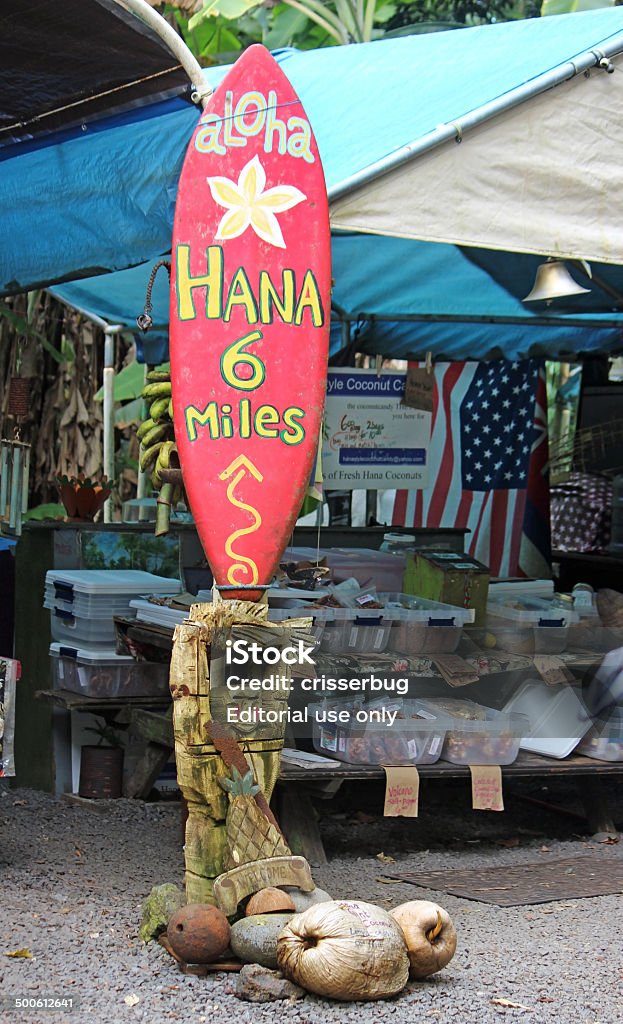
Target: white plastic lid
{"points": [[112, 581], [94, 656], [557, 721], [399, 538], [535, 611], [408, 608]]}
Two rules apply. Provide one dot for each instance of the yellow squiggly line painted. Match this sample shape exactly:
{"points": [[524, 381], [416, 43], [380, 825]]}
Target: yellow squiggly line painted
{"points": [[244, 563]]}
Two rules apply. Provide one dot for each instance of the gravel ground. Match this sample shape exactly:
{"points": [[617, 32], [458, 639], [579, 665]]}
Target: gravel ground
{"points": [[74, 878]]}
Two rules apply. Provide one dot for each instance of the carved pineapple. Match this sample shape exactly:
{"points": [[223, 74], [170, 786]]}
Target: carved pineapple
{"points": [[250, 835]]}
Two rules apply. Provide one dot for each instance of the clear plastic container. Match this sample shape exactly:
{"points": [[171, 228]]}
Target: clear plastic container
{"points": [[78, 631], [368, 566], [89, 607], [158, 614], [530, 625], [362, 734], [398, 543], [424, 627], [476, 734], [104, 674], [604, 740], [357, 630], [101, 593]]}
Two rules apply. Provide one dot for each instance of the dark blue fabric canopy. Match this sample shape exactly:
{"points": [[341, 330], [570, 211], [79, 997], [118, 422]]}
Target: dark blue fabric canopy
{"points": [[100, 199]]}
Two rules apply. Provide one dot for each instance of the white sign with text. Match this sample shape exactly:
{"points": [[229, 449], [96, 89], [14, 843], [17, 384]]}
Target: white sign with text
{"points": [[371, 440]]}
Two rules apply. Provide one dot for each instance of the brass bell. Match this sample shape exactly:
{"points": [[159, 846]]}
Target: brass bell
{"points": [[552, 281]]}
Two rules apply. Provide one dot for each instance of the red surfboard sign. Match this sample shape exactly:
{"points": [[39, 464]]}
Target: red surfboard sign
{"points": [[250, 310]]}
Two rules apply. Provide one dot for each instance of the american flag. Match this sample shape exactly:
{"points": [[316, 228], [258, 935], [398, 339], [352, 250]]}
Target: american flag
{"points": [[488, 464]]}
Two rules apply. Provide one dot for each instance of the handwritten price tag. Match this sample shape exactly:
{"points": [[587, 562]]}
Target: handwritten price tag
{"points": [[552, 669], [487, 787], [402, 790], [419, 389]]}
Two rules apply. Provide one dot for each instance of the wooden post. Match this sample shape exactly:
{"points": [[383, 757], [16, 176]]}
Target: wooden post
{"points": [[198, 680]]}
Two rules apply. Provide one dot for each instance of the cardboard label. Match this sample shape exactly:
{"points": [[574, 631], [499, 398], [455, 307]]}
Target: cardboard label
{"points": [[455, 670], [487, 787], [552, 669], [419, 389], [402, 790]]}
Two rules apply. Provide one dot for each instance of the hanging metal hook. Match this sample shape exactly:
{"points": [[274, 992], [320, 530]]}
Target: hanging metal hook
{"points": [[144, 319]]}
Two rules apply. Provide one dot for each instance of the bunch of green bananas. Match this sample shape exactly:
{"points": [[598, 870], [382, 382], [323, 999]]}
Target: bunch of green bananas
{"points": [[158, 447]]}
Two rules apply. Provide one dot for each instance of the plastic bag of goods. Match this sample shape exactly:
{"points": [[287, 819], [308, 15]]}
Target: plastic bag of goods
{"points": [[344, 949]]}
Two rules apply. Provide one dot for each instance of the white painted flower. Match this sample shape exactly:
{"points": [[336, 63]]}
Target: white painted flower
{"points": [[247, 204]]}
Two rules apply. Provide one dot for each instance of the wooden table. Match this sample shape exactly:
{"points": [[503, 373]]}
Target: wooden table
{"points": [[150, 720], [297, 785], [119, 711]]}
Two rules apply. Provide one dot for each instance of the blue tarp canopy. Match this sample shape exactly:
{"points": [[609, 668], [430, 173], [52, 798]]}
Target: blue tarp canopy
{"points": [[94, 205]]}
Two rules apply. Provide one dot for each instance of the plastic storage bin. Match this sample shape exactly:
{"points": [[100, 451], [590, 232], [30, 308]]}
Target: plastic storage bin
{"points": [[529, 625], [604, 739], [159, 614], [356, 630], [382, 568], [424, 627], [101, 593], [77, 631], [82, 602], [415, 737], [105, 674], [476, 734]]}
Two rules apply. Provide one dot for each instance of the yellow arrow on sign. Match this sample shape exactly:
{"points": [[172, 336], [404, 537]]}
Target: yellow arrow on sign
{"points": [[245, 565], [242, 460]]}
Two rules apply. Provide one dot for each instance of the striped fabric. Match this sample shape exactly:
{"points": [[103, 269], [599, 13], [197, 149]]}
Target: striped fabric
{"points": [[488, 464]]}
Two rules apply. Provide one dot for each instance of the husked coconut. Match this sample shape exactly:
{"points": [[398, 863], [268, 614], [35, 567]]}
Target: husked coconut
{"points": [[344, 949], [429, 934], [198, 933], [269, 901]]}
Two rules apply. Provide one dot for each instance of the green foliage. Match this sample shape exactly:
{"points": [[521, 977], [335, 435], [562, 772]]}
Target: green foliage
{"points": [[222, 28], [22, 326], [549, 7], [49, 511], [128, 383], [107, 735]]}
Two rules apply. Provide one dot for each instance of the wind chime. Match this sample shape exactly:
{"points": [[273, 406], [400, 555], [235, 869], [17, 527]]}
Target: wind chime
{"points": [[15, 461]]}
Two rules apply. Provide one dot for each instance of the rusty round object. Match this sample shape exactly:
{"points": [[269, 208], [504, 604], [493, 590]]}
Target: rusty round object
{"points": [[198, 933], [269, 901], [19, 396]]}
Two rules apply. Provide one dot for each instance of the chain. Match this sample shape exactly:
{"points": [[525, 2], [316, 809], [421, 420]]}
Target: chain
{"points": [[144, 320]]}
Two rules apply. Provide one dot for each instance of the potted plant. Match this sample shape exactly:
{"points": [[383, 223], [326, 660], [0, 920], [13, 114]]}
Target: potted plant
{"points": [[83, 497], [101, 764]]}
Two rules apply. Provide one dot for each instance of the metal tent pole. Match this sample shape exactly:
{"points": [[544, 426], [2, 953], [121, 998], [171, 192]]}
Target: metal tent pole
{"points": [[110, 333], [141, 9], [597, 57]]}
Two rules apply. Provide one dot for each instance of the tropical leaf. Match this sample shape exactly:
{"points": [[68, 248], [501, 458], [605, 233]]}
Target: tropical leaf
{"points": [[230, 9], [129, 383], [23, 327], [549, 7]]}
